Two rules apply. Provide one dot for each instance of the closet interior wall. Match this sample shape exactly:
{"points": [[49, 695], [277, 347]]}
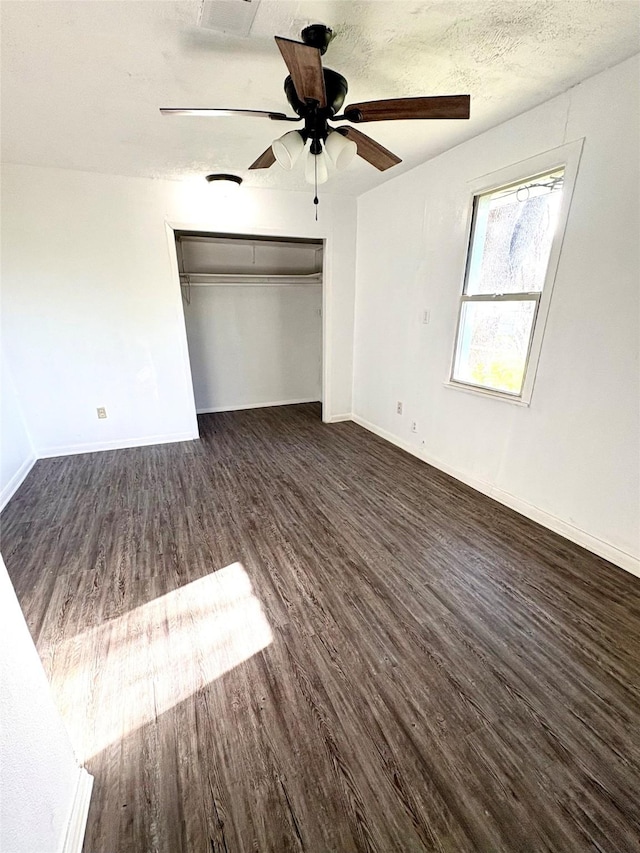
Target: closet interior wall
{"points": [[253, 315]]}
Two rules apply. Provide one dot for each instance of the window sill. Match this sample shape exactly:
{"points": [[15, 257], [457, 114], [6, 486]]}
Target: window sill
{"points": [[493, 395]]}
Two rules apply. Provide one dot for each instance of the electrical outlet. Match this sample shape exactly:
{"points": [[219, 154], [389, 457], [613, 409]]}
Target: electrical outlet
{"points": [[102, 412], [398, 408], [426, 316], [414, 426]]}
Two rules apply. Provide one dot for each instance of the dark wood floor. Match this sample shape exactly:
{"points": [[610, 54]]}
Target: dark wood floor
{"points": [[294, 637]]}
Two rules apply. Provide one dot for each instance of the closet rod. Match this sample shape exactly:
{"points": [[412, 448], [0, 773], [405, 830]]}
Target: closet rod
{"points": [[213, 279]]}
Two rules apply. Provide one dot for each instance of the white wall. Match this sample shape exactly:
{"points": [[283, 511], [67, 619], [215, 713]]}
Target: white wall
{"points": [[571, 459], [38, 771], [91, 306], [253, 345], [16, 451]]}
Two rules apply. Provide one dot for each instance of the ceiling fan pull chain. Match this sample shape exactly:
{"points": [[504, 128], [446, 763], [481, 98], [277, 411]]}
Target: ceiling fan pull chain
{"points": [[315, 176]]}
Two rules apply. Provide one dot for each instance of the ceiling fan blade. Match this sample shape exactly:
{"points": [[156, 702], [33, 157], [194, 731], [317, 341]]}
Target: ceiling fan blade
{"points": [[266, 159], [444, 106], [370, 150], [196, 111], [305, 66]]}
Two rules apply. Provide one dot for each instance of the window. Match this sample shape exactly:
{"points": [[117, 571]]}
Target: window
{"points": [[516, 231]]}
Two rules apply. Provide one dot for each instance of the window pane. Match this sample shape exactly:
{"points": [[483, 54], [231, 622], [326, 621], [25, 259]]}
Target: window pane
{"points": [[493, 341], [512, 235]]}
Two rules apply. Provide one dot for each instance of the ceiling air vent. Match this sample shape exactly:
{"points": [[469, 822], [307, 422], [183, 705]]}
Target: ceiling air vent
{"points": [[234, 17]]}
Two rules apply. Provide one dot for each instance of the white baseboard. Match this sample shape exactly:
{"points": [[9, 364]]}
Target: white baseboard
{"points": [[16, 481], [609, 552], [116, 444], [603, 549], [77, 825], [336, 419], [241, 406]]}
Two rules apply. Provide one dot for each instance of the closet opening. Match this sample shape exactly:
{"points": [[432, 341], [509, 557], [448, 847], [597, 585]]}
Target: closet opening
{"points": [[253, 317]]}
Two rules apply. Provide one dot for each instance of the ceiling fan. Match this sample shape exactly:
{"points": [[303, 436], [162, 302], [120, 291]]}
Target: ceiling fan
{"points": [[316, 95]]}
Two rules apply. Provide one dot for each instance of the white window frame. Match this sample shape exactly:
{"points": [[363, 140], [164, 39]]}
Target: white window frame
{"points": [[567, 157]]}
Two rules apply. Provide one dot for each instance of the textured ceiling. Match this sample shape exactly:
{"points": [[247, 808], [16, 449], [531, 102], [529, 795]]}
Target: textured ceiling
{"points": [[82, 81]]}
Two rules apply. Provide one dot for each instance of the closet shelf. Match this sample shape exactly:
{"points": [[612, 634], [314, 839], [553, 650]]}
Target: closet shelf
{"points": [[208, 279]]}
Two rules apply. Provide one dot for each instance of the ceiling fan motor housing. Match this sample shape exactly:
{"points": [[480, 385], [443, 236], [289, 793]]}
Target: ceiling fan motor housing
{"points": [[336, 88], [315, 118]]}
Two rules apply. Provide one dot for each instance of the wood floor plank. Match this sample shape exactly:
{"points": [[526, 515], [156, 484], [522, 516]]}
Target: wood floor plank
{"points": [[289, 636]]}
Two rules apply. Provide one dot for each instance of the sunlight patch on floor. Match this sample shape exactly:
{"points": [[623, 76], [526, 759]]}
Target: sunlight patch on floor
{"points": [[126, 672]]}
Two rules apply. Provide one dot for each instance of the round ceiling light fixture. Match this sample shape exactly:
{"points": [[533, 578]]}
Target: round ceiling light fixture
{"points": [[225, 180]]}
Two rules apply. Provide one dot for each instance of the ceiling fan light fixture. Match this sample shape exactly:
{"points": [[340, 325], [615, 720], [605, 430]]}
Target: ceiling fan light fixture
{"points": [[340, 150], [316, 169], [287, 149]]}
